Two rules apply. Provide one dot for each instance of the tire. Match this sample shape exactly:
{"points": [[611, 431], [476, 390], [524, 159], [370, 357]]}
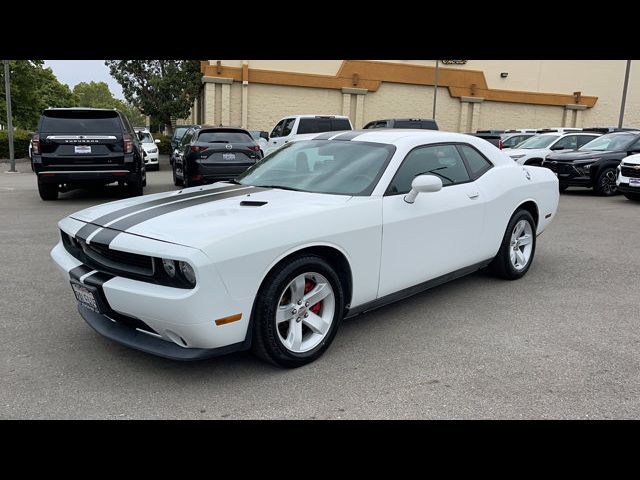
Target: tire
{"points": [[176, 181], [48, 191], [632, 196], [606, 183], [562, 188], [503, 264], [134, 189], [271, 338]]}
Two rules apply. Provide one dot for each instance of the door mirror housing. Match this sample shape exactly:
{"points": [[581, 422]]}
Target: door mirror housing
{"points": [[558, 147], [264, 135], [423, 184]]}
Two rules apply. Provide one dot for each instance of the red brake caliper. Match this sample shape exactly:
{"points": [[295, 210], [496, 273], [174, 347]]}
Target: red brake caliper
{"points": [[308, 286]]}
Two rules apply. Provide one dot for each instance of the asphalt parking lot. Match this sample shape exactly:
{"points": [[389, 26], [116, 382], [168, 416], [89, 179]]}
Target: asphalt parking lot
{"points": [[563, 342]]}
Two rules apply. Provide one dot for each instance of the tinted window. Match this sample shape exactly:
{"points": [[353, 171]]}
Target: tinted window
{"points": [[424, 124], [369, 125], [319, 125], [186, 138], [288, 126], [277, 130], [179, 132], [539, 141], [584, 139], [443, 161], [223, 137], [145, 137], [477, 162], [323, 166], [80, 122]]}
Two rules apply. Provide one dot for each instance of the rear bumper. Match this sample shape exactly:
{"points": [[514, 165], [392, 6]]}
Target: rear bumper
{"points": [[217, 172], [68, 176]]}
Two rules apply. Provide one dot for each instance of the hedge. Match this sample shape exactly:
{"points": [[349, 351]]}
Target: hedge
{"points": [[21, 140], [164, 148]]}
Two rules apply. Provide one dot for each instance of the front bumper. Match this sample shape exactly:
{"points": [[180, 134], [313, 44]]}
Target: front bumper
{"points": [[625, 188], [151, 158], [568, 175], [182, 319]]}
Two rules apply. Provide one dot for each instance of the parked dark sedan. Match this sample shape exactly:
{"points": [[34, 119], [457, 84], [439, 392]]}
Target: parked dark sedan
{"points": [[594, 165], [210, 154]]}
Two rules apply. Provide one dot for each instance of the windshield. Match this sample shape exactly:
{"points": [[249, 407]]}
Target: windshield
{"points": [[540, 141], [179, 132], [614, 142], [145, 137], [322, 166]]}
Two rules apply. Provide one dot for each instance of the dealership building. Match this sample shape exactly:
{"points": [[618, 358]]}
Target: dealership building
{"points": [[471, 94]]}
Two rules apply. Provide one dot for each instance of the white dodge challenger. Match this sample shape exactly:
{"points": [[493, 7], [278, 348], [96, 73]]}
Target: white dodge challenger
{"points": [[319, 230]]}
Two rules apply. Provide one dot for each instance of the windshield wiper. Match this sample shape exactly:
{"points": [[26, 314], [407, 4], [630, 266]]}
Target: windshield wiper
{"points": [[280, 187]]}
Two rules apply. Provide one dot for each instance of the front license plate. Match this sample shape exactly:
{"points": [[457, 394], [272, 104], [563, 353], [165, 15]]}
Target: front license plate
{"points": [[228, 156], [634, 182], [85, 296], [83, 149]]}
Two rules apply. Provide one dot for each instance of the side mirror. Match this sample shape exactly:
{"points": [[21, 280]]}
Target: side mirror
{"points": [[264, 135], [558, 147], [157, 141], [423, 184]]}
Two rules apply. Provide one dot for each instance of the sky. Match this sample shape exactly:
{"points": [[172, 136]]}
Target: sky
{"points": [[73, 72]]}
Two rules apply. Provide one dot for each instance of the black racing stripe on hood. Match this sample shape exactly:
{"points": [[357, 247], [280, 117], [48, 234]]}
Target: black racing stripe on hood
{"points": [[349, 135], [95, 224], [107, 234]]}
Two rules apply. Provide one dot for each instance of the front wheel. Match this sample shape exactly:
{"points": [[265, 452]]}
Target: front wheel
{"points": [[134, 189], [517, 248], [176, 181], [632, 196], [606, 183], [297, 312]]}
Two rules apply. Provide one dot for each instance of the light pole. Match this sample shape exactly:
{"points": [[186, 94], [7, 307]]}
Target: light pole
{"points": [[624, 93], [435, 91], [7, 90]]}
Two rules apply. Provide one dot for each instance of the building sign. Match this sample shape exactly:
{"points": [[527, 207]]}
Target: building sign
{"points": [[454, 62]]}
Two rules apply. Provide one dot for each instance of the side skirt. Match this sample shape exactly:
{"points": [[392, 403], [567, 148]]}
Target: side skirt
{"points": [[408, 292]]}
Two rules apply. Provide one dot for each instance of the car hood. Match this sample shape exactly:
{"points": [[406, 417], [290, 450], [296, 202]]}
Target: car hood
{"points": [[632, 160], [579, 155], [149, 146], [200, 216], [525, 151]]}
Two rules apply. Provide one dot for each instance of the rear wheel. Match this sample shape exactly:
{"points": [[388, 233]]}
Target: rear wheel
{"points": [[632, 196], [48, 191], [517, 248], [176, 181], [606, 183], [297, 312], [134, 188]]}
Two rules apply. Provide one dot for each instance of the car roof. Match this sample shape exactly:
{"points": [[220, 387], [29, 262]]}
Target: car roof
{"points": [[75, 109]]}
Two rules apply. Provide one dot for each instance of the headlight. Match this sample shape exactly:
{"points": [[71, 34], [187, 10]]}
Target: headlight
{"points": [[515, 157], [587, 167], [187, 271], [153, 150], [169, 267]]}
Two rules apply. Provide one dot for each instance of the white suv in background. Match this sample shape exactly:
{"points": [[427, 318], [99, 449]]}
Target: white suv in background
{"points": [[293, 127], [628, 179], [150, 148], [535, 149]]}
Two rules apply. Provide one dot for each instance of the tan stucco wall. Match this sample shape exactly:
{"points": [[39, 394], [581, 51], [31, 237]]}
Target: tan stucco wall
{"points": [[269, 103], [393, 100], [599, 78]]}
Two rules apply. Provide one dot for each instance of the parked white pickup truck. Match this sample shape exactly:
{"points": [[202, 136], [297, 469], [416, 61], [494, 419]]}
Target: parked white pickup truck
{"points": [[296, 126]]}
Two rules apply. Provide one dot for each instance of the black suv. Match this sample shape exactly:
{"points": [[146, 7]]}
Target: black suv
{"points": [[594, 165], [210, 154], [421, 123], [178, 133], [85, 147]]}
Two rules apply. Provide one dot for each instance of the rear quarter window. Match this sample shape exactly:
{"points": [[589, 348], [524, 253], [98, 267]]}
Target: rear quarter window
{"points": [[320, 125]]}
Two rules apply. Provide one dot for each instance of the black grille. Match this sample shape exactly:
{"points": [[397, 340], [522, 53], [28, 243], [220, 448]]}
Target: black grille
{"points": [[630, 172], [101, 253], [560, 167]]}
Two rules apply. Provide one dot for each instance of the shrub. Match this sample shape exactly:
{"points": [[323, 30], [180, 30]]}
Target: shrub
{"points": [[164, 148], [21, 140]]}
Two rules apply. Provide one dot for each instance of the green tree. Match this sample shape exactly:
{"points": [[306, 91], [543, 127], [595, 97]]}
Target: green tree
{"points": [[98, 95], [164, 89], [33, 88]]}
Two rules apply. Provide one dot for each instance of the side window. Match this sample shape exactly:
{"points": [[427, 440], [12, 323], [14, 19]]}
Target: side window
{"points": [[382, 124], [477, 162], [277, 130], [288, 126], [186, 139], [369, 125], [443, 161], [584, 139], [570, 141]]}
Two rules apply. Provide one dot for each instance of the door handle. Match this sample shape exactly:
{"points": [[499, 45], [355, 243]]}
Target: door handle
{"points": [[473, 195]]}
